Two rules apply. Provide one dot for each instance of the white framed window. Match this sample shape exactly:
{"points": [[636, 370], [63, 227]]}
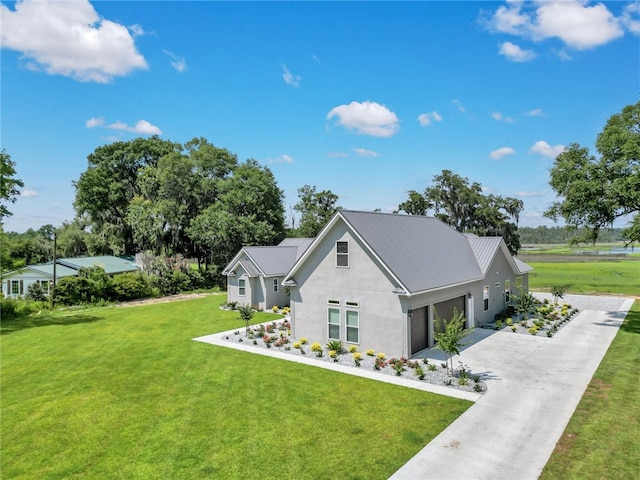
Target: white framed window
{"points": [[342, 254], [275, 285], [353, 326], [485, 297], [242, 289], [333, 319], [519, 281], [16, 287], [507, 291]]}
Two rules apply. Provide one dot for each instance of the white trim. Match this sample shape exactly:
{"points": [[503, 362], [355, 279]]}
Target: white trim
{"points": [[346, 326], [329, 323], [243, 287]]}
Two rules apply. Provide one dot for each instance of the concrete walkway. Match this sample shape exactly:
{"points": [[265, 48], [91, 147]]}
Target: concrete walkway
{"points": [[534, 387]]}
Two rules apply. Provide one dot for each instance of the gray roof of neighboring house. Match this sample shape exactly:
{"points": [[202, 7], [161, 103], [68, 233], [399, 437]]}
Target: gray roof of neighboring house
{"points": [[270, 261], [109, 263], [422, 253]]}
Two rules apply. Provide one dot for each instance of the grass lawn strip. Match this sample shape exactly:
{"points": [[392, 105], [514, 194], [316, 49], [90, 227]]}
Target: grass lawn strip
{"points": [[126, 393], [602, 439]]}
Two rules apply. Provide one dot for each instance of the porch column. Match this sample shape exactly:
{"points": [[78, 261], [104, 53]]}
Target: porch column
{"points": [[470, 312]]}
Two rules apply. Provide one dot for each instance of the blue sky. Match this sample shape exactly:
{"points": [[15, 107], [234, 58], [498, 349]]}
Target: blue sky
{"points": [[366, 99]]}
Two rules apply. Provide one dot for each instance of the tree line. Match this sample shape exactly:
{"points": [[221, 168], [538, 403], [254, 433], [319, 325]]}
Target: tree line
{"points": [[199, 201]]}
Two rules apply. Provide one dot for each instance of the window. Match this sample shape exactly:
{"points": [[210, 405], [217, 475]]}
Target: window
{"points": [[352, 326], [275, 284], [519, 282], [334, 324], [241, 287], [352, 304], [342, 254], [485, 297], [16, 287], [507, 291]]}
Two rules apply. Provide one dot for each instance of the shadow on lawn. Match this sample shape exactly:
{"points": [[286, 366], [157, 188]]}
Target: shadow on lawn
{"points": [[16, 324], [632, 322]]}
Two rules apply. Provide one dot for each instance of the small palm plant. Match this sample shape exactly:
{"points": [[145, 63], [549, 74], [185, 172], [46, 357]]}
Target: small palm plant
{"points": [[246, 314]]}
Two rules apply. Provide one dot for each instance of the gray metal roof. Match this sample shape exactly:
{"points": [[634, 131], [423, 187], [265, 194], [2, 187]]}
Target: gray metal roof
{"points": [[301, 243], [485, 249], [109, 263], [523, 267], [271, 261], [423, 253]]}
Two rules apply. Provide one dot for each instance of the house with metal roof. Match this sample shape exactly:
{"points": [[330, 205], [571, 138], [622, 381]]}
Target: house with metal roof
{"points": [[379, 280], [255, 274], [16, 283]]}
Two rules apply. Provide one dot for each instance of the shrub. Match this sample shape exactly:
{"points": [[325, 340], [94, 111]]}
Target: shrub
{"points": [[275, 309], [36, 293], [316, 347], [131, 286], [336, 346], [297, 345], [304, 341], [381, 356], [333, 354], [370, 352], [419, 373], [353, 349]]}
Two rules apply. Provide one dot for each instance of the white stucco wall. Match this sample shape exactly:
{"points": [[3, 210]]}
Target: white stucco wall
{"points": [[27, 277], [382, 315]]}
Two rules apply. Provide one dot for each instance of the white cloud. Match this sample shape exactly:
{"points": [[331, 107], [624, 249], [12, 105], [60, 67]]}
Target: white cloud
{"points": [[501, 152], [142, 127], [289, 78], [178, 63], [363, 152], [137, 30], [522, 194], [537, 112], [574, 22], [72, 41], [366, 118], [425, 119], [631, 18], [94, 122], [337, 155], [459, 106], [316, 59], [28, 193], [501, 118], [513, 52], [281, 159], [543, 148]]}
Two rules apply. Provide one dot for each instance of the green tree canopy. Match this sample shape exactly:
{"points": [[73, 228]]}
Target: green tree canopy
{"points": [[595, 191], [9, 185], [461, 204], [316, 209]]}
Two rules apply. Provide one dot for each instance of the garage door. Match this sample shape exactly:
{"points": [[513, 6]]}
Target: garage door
{"points": [[444, 310]]}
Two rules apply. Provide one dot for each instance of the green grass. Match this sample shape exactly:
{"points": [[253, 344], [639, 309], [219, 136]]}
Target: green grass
{"points": [[602, 439], [126, 393], [611, 277]]}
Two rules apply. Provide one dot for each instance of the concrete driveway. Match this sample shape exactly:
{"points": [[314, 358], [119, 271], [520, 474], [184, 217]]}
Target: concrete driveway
{"points": [[534, 386]]}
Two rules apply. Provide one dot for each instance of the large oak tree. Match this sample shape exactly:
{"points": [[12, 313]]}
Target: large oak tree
{"points": [[595, 191]]}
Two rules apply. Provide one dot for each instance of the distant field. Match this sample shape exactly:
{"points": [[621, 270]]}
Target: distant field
{"points": [[589, 274]]}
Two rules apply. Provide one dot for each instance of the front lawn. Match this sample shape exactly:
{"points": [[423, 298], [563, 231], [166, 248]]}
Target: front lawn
{"points": [[602, 439], [126, 393]]}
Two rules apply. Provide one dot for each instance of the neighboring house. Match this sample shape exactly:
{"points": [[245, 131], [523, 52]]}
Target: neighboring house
{"points": [[16, 283], [377, 280], [255, 274]]}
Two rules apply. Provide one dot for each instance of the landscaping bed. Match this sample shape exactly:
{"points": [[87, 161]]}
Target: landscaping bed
{"points": [[275, 335], [544, 318]]}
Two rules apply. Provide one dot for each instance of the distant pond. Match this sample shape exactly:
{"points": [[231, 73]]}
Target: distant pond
{"points": [[608, 251]]}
